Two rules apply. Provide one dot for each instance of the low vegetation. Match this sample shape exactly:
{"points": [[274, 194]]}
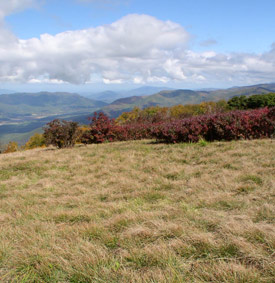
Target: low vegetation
{"points": [[252, 102], [158, 114], [211, 121], [61, 133], [234, 125], [139, 212]]}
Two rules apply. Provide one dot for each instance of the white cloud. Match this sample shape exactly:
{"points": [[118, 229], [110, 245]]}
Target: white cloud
{"points": [[11, 6], [136, 48], [8, 7]]}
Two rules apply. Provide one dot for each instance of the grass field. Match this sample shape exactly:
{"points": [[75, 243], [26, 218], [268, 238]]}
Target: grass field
{"points": [[139, 212]]}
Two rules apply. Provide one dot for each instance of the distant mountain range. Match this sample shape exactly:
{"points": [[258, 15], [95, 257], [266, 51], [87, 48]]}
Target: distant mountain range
{"points": [[109, 96], [45, 104], [182, 96], [6, 91], [22, 114]]}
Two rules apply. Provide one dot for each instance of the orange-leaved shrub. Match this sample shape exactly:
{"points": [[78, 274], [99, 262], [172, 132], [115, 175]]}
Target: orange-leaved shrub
{"points": [[11, 147]]}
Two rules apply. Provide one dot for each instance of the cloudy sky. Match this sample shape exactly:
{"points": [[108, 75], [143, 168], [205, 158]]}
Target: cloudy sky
{"points": [[111, 44]]}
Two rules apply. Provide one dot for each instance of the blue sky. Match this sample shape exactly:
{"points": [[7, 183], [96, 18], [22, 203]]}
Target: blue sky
{"points": [[214, 43], [240, 26]]}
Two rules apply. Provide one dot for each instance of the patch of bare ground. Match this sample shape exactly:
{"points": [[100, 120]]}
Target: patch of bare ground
{"points": [[139, 212]]}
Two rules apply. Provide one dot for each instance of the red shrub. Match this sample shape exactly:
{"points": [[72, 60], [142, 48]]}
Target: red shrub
{"points": [[102, 129], [250, 124], [228, 126], [61, 133]]}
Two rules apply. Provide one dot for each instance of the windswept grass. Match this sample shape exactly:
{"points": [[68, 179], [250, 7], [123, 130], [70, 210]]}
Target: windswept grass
{"points": [[139, 212]]}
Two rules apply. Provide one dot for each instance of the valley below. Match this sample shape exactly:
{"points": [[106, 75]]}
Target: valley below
{"points": [[22, 114]]}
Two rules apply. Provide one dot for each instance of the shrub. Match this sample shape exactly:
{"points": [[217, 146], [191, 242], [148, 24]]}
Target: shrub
{"points": [[135, 131], [11, 147], [83, 131], [102, 129], [157, 114], [252, 102], [234, 125], [37, 140], [61, 133], [228, 126]]}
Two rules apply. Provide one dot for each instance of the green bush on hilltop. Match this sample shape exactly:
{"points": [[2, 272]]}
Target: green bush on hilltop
{"points": [[252, 102], [37, 140]]}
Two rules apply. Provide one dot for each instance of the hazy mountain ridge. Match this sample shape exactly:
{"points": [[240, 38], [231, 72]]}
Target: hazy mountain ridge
{"points": [[183, 96], [6, 91], [46, 103], [23, 113], [59, 102], [110, 96]]}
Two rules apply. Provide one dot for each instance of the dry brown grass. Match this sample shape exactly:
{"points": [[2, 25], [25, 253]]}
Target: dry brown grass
{"points": [[139, 212]]}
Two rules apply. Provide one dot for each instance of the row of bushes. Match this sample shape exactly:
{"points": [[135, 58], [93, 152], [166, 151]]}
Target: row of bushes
{"points": [[234, 125], [252, 102], [164, 123], [157, 114]]}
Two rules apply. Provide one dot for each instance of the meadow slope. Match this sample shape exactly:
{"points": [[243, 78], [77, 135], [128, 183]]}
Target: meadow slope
{"points": [[139, 212]]}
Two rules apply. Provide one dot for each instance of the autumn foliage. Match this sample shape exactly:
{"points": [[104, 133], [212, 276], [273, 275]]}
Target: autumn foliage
{"points": [[11, 147], [61, 133], [157, 114], [37, 140], [235, 125]]}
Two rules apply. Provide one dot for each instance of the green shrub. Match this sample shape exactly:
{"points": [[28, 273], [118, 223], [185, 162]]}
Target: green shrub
{"points": [[37, 140], [252, 102]]}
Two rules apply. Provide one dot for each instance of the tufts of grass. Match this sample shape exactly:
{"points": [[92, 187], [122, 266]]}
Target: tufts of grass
{"points": [[265, 213], [253, 179], [153, 197], [139, 212], [245, 189], [72, 219]]}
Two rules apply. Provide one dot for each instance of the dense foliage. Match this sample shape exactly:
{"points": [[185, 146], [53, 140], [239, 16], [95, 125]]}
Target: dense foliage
{"points": [[104, 129], [37, 140], [101, 129], [234, 125], [251, 124], [61, 133], [252, 102], [181, 123], [157, 114], [11, 147]]}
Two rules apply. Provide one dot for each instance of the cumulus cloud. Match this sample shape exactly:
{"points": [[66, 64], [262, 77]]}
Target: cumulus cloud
{"points": [[136, 49], [10, 6]]}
